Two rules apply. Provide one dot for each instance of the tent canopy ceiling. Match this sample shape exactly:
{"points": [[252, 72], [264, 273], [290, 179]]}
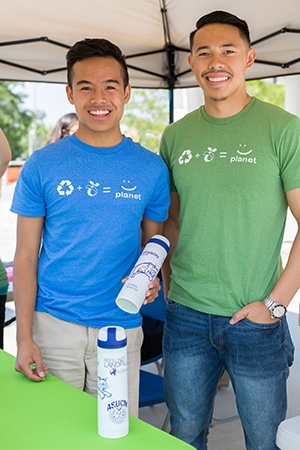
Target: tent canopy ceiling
{"points": [[138, 27]]}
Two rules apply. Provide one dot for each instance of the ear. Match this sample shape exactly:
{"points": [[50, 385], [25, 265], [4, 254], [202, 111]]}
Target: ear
{"points": [[70, 95], [127, 94], [251, 58], [190, 61]]}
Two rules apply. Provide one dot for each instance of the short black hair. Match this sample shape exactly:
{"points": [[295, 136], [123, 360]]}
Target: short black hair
{"points": [[88, 48], [224, 18]]}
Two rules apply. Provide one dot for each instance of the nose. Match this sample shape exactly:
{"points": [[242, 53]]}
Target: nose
{"points": [[99, 96], [216, 63]]}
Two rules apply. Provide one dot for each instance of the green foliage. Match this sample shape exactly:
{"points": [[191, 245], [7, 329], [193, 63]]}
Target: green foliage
{"points": [[16, 121], [267, 91], [40, 132], [146, 116]]}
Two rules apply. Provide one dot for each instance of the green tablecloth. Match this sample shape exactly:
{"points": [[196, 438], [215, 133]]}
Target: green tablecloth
{"points": [[53, 415]]}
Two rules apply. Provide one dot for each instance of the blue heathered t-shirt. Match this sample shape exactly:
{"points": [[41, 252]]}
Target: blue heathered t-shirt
{"points": [[93, 200]]}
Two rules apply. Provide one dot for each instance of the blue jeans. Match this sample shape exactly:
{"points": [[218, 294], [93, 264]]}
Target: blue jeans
{"points": [[197, 349]]}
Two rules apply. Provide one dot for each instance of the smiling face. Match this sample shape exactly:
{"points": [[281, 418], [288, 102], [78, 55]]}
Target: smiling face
{"points": [[99, 96], [219, 59]]}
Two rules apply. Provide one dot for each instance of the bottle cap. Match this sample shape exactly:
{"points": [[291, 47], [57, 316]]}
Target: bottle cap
{"points": [[112, 337], [161, 240]]}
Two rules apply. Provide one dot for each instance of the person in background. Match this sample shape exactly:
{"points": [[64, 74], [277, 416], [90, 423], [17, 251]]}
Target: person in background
{"points": [[5, 157], [235, 168], [87, 199], [66, 126]]}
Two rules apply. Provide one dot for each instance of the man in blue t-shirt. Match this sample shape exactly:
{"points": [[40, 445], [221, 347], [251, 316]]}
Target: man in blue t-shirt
{"points": [[85, 206]]}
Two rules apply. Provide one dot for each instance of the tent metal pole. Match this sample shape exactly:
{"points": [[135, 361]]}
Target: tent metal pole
{"points": [[170, 60], [171, 105]]}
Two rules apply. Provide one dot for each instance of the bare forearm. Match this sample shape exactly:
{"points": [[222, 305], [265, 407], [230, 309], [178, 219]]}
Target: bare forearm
{"points": [[283, 292], [289, 281], [149, 229], [25, 290], [29, 358]]}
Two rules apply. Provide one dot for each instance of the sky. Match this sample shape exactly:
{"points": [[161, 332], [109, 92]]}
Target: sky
{"points": [[47, 97]]}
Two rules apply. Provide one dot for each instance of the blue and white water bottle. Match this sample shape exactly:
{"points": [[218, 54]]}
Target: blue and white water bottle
{"points": [[132, 294], [112, 382]]}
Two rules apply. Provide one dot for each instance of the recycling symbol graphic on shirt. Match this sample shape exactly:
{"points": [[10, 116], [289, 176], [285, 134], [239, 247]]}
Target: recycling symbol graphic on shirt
{"points": [[65, 187], [185, 157]]}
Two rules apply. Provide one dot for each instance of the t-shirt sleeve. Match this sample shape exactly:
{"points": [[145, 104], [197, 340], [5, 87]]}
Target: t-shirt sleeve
{"points": [[27, 199], [157, 209], [165, 154], [289, 156]]}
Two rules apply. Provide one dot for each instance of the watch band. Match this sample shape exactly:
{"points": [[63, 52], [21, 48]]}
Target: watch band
{"points": [[277, 310], [269, 302]]}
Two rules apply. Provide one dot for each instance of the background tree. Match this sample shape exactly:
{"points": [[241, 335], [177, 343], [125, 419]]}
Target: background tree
{"points": [[267, 91], [146, 116], [16, 121]]}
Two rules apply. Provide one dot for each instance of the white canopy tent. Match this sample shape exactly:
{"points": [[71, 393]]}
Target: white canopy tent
{"points": [[153, 34]]}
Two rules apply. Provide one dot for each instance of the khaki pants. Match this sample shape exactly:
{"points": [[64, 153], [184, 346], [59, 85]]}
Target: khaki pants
{"points": [[70, 352]]}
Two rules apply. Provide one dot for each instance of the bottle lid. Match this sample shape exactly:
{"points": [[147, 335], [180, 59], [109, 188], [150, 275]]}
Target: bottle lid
{"points": [[112, 337], [161, 240]]}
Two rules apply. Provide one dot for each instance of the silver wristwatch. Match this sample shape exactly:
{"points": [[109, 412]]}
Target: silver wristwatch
{"points": [[277, 310]]}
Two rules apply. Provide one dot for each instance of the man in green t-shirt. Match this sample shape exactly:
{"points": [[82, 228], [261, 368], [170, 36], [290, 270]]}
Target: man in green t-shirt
{"points": [[235, 168], [5, 156]]}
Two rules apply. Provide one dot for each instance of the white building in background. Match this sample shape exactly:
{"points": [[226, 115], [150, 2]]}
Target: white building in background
{"points": [[292, 94], [186, 100]]}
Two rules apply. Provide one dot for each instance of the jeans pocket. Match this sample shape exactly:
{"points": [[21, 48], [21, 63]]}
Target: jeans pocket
{"points": [[171, 302], [267, 344], [266, 326], [172, 311]]}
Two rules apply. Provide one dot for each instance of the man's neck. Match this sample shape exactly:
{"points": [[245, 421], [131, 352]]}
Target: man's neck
{"points": [[220, 109], [100, 139]]}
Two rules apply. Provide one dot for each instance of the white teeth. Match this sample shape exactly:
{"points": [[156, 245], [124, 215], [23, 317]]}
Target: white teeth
{"points": [[103, 112], [218, 79]]}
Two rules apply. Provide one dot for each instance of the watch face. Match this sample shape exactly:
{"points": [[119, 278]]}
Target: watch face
{"points": [[278, 311]]}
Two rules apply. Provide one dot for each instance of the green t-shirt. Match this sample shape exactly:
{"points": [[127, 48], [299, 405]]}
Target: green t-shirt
{"points": [[231, 176]]}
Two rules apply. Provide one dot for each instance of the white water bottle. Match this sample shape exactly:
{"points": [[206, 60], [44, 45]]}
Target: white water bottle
{"points": [[112, 382], [132, 294]]}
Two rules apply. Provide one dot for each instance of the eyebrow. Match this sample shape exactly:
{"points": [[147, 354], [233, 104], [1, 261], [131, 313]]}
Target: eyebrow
{"points": [[108, 81], [205, 47]]}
